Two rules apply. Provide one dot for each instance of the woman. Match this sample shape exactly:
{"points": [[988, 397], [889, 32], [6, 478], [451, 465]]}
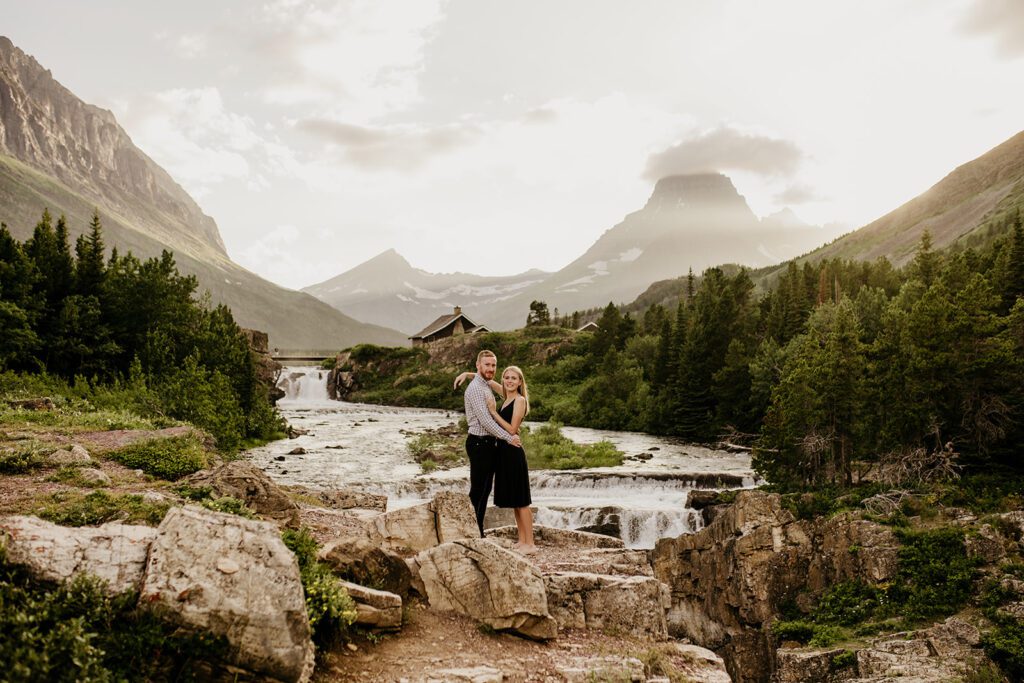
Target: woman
{"points": [[512, 478]]}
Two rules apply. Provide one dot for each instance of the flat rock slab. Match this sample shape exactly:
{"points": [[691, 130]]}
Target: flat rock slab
{"points": [[546, 535], [374, 608], [608, 668], [113, 552], [479, 579], [233, 577], [447, 517]]}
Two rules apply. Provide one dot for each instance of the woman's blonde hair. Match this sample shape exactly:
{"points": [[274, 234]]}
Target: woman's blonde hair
{"points": [[522, 385]]}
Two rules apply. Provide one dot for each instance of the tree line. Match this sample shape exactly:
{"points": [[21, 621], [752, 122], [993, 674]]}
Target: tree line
{"points": [[840, 363], [131, 323]]}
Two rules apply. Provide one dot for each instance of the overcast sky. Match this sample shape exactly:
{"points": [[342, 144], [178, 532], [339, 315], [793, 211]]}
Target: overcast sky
{"points": [[493, 137]]}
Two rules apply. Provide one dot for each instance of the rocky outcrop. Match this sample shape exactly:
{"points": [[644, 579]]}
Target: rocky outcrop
{"points": [[479, 579], [623, 604], [729, 580], [233, 577], [113, 552], [242, 480], [267, 369]]}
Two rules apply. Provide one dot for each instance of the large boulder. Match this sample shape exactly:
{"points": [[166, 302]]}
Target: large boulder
{"points": [[624, 604], [362, 561], [236, 578], [113, 552], [243, 480], [448, 517], [497, 587]]}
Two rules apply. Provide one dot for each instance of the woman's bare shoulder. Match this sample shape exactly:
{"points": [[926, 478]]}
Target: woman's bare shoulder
{"points": [[519, 400]]}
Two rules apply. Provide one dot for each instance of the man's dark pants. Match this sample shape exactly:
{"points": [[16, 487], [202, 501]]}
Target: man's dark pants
{"points": [[483, 459]]}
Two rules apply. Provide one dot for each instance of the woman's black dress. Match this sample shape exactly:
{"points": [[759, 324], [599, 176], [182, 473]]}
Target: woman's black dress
{"points": [[511, 477]]}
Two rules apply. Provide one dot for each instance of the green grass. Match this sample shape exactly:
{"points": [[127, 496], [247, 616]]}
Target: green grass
{"points": [[438, 449], [169, 459], [548, 449], [72, 508]]}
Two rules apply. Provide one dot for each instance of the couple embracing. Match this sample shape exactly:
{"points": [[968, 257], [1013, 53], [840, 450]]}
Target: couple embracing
{"points": [[495, 450]]}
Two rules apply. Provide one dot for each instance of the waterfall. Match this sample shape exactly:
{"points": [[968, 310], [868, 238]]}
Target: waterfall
{"points": [[304, 384]]}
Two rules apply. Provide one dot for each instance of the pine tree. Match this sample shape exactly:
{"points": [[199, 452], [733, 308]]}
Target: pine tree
{"points": [[1013, 286], [89, 268]]}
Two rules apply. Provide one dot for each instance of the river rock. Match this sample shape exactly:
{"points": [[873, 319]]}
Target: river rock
{"points": [[260, 608], [113, 552], [375, 608], [76, 455], [362, 561], [624, 604], [243, 480], [476, 577]]}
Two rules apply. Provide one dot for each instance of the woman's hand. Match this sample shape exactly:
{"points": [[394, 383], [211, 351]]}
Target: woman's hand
{"points": [[462, 378]]}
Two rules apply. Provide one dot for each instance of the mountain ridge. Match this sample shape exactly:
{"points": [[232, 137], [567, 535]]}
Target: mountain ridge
{"points": [[62, 154]]}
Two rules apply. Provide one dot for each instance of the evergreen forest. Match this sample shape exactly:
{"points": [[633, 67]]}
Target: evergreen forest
{"points": [[120, 332]]}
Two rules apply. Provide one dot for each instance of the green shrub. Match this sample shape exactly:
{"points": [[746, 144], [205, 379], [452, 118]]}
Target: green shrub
{"points": [[844, 659], [21, 459], [935, 575], [169, 459], [71, 508], [230, 505], [74, 632], [798, 630], [331, 610], [1005, 646], [848, 603], [72, 474], [826, 636], [547, 448]]}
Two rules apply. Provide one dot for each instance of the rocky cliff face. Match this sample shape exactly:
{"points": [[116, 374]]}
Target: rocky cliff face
{"points": [[43, 125], [730, 581]]}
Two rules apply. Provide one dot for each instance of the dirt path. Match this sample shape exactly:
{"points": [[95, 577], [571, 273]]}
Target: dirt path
{"points": [[435, 646]]}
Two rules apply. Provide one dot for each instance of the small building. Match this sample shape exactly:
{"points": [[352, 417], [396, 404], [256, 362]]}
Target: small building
{"points": [[450, 325], [589, 327]]}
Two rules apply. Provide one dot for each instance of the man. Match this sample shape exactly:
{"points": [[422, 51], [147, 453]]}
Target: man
{"points": [[484, 432]]}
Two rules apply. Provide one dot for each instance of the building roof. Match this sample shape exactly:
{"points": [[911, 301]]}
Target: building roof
{"points": [[443, 322], [589, 326]]}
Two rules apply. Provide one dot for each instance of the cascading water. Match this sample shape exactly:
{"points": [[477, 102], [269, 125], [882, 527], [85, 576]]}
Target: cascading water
{"points": [[349, 444], [303, 384]]}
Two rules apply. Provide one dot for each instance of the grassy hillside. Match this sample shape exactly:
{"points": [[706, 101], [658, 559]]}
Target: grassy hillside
{"points": [[293, 320]]}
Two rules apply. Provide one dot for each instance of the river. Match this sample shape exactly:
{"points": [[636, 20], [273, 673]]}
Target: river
{"points": [[364, 446]]}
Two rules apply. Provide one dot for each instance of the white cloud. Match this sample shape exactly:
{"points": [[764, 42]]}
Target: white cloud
{"points": [[1002, 20], [198, 140], [360, 58], [726, 149]]}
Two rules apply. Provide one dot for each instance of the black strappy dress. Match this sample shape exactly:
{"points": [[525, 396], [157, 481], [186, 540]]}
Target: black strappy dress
{"points": [[511, 478]]}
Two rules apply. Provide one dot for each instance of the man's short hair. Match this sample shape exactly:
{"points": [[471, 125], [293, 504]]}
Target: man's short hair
{"points": [[484, 354]]}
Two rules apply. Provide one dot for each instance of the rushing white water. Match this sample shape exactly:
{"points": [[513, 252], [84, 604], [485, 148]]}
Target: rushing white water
{"points": [[352, 444]]}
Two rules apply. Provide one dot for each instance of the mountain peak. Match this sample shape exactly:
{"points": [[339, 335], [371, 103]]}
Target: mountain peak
{"points": [[700, 190], [389, 258]]}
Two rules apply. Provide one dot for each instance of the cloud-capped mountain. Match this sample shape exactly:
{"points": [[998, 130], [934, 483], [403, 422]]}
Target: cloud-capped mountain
{"points": [[61, 153], [386, 290], [690, 221]]}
